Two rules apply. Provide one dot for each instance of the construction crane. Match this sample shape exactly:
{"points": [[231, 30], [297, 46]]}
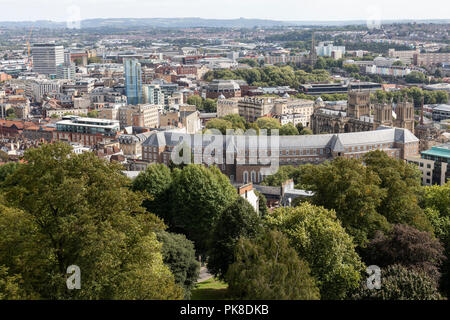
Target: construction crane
{"points": [[29, 62]]}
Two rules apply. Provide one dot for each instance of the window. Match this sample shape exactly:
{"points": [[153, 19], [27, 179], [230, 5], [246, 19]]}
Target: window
{"points": [[245, 177], [253, 176]]}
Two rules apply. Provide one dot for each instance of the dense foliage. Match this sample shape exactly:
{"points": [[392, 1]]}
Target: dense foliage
{"points": [[79, 210], [267, 268], [318, 237]]}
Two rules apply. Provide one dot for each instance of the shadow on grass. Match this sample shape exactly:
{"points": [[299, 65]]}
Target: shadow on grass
{"points": [[211, 289]]}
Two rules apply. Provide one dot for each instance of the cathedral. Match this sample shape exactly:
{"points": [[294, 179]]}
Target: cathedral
{"points": [[362, 115]]}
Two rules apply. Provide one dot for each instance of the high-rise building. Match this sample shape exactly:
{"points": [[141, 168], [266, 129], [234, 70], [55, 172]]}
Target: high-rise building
{"points": [[66, 71], [152, 94], [133, 81], [46, 57]]}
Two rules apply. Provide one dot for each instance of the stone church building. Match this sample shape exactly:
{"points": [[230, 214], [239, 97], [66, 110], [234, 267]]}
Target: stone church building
{"points": [[362, 115]]}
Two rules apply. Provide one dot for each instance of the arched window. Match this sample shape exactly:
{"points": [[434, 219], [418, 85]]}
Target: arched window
{"points": [[245, 177], [253, 176]]}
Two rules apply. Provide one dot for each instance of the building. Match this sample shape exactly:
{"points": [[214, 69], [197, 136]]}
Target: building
{"points": [[252, 108], [131, 144], [142, 115], [133, 81], [242, 164], [152, 94], [38, 88], [434, 164], [46, 57], [392, 71], [86, 131], [405, 56], [358, 115], [343, 87], [441, 112], [227, 106], [247, 192], [431, 58], [190, 121], [66, 71], [327, 49], [227, 88], [51, 113]]}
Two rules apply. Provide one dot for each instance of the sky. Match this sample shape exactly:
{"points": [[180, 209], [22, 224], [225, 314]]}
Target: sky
{"points": [[298, 10]]}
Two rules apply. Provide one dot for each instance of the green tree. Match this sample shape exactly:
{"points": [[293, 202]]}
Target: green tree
{"points": [[179, 255], [6, 169], [352, 190], [77, 209], [156, 181], [263, 209], [238, 220], [441, 96], [268, 124], [318, 237], [436, 201], [400, 283], [10, 286], [219, 124], [288, 130], [351, 68], [282, 175], [3, 156], [195, 100], [199, 196], [269, 269], [210, 105], [306, 131], [92, 114], [415, 77], [236, 120], [402, 183]]}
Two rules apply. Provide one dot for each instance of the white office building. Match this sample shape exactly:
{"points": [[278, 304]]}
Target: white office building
{"points": [[46, 57]]}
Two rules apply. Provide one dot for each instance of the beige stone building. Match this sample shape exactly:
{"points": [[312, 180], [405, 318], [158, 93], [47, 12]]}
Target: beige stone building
{"points": [[143, 115], [227, 106], [252, 108]]}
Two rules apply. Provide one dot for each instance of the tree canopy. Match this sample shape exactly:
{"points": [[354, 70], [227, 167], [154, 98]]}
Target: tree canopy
{"points": [[267, 268], [76, 209], [238, 220], [318, 237]]}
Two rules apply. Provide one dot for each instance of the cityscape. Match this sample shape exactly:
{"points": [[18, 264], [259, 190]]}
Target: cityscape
{"points": [[222, 158]]}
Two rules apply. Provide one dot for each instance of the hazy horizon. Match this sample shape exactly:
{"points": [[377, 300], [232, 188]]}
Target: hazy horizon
{"points": [[286, 10]]}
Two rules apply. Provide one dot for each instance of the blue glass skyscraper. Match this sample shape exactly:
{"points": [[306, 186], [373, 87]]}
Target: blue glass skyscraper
{"points": [[133, 81]]}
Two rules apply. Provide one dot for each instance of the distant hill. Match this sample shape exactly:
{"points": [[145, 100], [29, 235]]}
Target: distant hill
{"points": [[194, 22]]}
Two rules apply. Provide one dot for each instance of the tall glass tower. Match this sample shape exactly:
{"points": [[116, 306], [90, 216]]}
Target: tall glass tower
{"points": [[133, 81]]}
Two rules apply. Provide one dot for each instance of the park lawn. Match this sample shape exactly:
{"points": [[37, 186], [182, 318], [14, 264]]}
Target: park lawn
{"points": [[211, 289]]}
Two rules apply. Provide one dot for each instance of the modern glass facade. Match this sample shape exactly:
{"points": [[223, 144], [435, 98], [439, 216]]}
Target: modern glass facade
{"points": [[133, 81], [89, 126]]}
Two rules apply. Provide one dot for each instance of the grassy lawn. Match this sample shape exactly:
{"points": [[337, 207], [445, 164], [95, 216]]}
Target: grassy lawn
{"points": [[211, 289]]}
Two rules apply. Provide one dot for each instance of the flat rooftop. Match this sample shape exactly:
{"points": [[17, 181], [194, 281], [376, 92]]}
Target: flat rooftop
{"points": [[442, 151]]}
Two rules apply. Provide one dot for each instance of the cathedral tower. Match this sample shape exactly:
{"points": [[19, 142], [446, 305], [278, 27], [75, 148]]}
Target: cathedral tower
{"points": [[405, 114], [358, 104], [383, 114]]}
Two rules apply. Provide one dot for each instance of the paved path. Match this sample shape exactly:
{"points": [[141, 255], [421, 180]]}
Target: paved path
{"points": [[204, 275]]}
